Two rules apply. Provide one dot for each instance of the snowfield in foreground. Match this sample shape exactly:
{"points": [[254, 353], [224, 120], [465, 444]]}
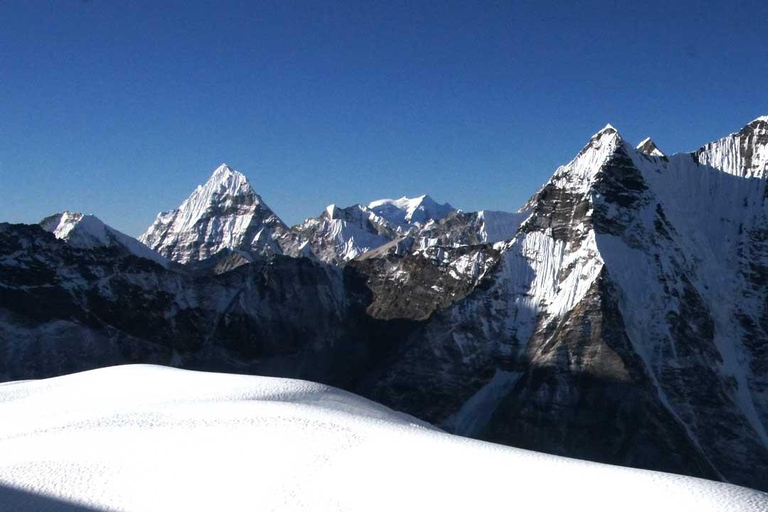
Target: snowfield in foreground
{"points": [[152, 438]]}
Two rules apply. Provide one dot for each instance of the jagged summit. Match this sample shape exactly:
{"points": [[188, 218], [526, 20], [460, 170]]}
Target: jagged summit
{"points": [[407, 212], [339, 235], [743, 154], [226, 181], [224, 213], [649, 147], [580, 173]]}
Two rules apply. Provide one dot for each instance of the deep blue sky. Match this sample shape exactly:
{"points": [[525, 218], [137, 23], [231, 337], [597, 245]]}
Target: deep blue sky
{"points": [[120, 108]]}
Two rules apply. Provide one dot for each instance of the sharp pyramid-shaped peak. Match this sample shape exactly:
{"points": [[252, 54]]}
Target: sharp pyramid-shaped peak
{"points": [[225, 180], [331, 211], [608, 137], [224, 213], [224, 171], [648, 147], [607, 131], [580, 172]]}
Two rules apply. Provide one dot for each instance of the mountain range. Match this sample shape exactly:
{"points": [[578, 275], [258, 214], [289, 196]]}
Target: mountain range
{"points": [[620, 316]]}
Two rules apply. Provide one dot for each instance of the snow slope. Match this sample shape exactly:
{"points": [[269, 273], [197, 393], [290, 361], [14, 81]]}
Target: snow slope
{"points": [[147, 437], [88, 231], [744, 153]]}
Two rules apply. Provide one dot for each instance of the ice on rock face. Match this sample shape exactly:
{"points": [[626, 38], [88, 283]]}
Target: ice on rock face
{"points": [[499, 226], [743, 154], [224, 213]]}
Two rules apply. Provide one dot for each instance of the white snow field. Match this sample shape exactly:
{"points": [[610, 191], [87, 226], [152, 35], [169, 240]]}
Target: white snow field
{"points": [[145, 437]]}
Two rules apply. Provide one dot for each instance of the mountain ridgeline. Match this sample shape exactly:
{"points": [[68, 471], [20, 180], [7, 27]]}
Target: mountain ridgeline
{"points": [[620, 316]]}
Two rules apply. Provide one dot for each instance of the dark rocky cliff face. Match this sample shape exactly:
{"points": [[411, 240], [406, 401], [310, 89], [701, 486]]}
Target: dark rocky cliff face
{"points": [[583, 391], [87, 308]]}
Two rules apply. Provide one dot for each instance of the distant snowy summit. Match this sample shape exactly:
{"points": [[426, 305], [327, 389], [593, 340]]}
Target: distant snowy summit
{"points": [[88, 231], [224, 213], [341, 234], [227, 215], [648, 147], [407, 213]]}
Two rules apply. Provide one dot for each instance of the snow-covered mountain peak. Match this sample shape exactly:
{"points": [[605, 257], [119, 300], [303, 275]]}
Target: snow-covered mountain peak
{"points": [[227, 181], [338, 234], [224, 213], [229, 178], [62, 224], [407, 212], [579, 173], [331, 211], [88, 232], [648, 147], [223, 169]]}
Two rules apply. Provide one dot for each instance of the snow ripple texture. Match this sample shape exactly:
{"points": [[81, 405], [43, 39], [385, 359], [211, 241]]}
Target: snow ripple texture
{"points": [[152, 438]]}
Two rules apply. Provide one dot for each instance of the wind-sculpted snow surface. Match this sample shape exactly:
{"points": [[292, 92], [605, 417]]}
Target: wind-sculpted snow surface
{"points": [[154, 438]]}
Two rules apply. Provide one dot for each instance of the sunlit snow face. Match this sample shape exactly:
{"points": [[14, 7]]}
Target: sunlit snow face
{"points": [[142, 437]]}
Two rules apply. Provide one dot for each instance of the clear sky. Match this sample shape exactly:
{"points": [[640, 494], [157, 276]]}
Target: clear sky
{"points": [[120, 108]]}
